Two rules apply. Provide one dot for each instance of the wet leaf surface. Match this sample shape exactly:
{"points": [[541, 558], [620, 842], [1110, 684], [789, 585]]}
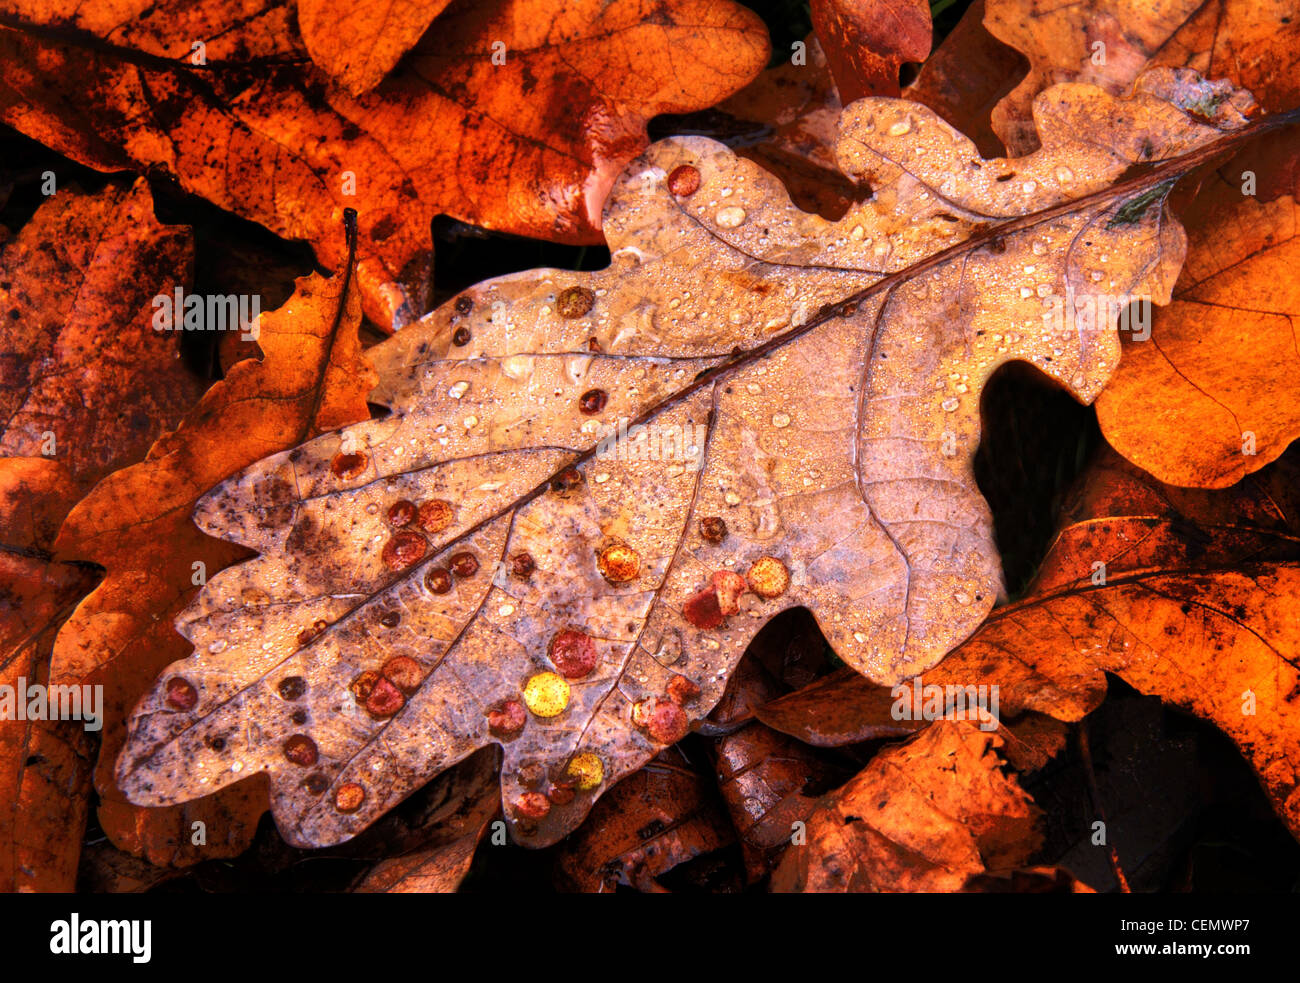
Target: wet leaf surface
{"points": [[478, 566]]}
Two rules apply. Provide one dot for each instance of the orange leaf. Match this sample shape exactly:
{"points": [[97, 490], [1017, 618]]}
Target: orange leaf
{"points": [[530, 146], [136, 523]]}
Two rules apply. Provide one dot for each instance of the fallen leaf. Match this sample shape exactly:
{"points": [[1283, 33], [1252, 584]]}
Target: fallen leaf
{"points": [[968, 74], [1214, 392], [1109, 43], [357, 44], [530, 146], [1186, 595], [867, 42], [657, 818], [136, 523], [448, 837], [488, 563], [85, 378], [786, 121], [921, 817], [44, 764]]}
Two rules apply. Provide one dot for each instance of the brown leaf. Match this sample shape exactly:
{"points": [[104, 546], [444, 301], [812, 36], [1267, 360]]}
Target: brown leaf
{"points": [[1251, 42], [1197, 607], [84, 376], [924, 816], [659, 817], [448, 838], [867, 41], [44, 764], [530, 147], [1214, 393], [967, 76], [786, 122], [489, 563], [357, 44], [136, 523]]}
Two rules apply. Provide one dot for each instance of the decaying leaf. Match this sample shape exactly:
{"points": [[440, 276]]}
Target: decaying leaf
{"points": [[493, 562], [968, 74], [85, 378], [660, 817], [448, 835], [1184, 594], [1109, 43], [136, 524], [867, 41], [528, 146], [1214, 392], [44, 764], [924, 816]]}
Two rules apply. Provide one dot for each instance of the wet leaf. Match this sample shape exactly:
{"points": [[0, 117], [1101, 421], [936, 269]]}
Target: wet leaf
{"points": [[136, 523], [658, 818], [1214, 393], [488, 563], [530, 146], [1109, 43], [924, 816], [967, 76]]}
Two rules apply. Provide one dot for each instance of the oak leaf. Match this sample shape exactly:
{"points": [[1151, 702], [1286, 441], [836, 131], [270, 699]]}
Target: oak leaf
{"points": [[44, 764], [136, 524], [357, 44], [1109, 43], [85, 377], [868, 41], [1184, 594], [493, 562], [923, 816], [1214, 393], [530, 146]]}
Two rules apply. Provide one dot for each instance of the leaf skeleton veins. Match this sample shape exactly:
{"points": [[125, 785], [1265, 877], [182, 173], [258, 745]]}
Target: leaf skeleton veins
{"points": [[457, 574]]}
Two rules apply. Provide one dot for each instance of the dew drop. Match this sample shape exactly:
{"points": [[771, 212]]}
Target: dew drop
{"points": [[901, 128], [730, 218], [780, 420]]}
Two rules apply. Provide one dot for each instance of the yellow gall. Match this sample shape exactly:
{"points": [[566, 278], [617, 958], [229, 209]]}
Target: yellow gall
{"points": [[586, 770], [768, 577], [618, 563], [546, 694]]}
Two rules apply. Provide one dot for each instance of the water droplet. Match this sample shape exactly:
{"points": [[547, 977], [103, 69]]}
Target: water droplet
{"points": [[518, 367], [458, 389], [901, 128], [1064, 175], [730, 218], [950, 404], [780, 420]]}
